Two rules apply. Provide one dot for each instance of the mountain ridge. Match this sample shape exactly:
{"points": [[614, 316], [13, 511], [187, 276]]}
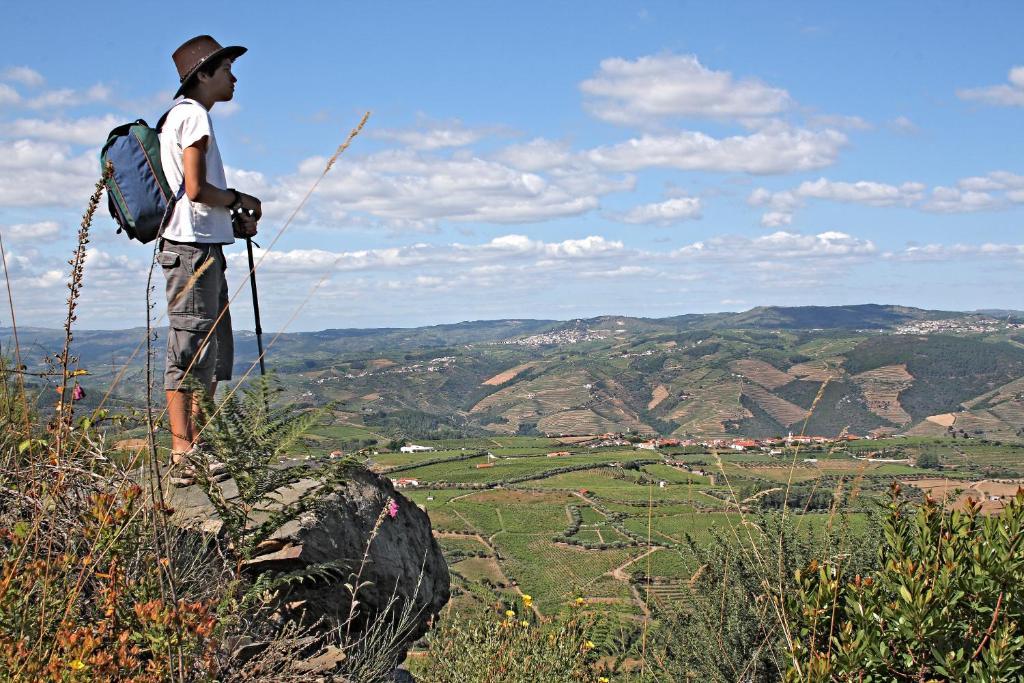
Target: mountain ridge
{"points": [[864, 368]]}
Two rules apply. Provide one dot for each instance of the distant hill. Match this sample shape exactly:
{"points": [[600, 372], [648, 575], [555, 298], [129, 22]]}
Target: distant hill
{"points": [[864, 316], [866, 368]]}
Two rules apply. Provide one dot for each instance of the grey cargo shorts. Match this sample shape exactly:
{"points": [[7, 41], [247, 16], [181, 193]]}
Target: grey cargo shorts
{"points": [[192, 311]]}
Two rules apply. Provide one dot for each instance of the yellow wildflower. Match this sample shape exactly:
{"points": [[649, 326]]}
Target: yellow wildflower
{"points": [[527, 601], [509, 613], [77, 665], [579, 601], [589, 645], [602, 679], [524, 623]]}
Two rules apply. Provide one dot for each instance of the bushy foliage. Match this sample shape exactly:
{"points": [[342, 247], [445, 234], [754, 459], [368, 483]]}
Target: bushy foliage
{"points": [[512, 647], [97, 584], [732, 624], [86, 599], [945, 604], [250, 432]]}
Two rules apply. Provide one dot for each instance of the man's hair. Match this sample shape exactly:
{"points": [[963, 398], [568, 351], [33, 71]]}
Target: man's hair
{"points": [[207, 68]]}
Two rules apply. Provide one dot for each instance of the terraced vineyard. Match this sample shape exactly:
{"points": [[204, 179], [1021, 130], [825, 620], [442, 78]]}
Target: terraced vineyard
{"points": [[710, 410], [765, 375], [781, 410], [882, 387]]}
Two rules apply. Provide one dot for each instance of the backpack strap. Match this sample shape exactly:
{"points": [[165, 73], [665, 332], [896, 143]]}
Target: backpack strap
{"points": [[169, 211], [163, 119]]}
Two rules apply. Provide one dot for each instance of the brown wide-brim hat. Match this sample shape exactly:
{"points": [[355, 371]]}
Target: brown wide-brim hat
{"points": [[195, 52]]}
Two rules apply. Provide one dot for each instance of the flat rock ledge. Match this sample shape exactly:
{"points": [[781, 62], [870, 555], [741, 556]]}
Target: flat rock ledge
{"points": [[403, 565]]}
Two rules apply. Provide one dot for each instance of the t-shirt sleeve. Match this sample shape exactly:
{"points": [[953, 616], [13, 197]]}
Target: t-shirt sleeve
{"points": [[195, 125]]}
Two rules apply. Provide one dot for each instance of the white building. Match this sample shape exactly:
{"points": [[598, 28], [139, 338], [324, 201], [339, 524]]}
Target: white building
{"points": [[413, 448]]}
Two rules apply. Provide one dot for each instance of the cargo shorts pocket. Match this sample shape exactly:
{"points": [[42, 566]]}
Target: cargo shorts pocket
{"points": [[168, 259], [195, 278], [180, 305], [190, 356]]}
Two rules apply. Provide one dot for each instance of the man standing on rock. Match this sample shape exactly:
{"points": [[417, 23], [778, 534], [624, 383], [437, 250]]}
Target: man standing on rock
{"points": [[200, 349]]}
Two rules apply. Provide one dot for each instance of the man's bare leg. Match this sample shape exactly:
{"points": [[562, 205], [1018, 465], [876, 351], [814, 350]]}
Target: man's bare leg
{"points": [[178, 403], [197, 413]]}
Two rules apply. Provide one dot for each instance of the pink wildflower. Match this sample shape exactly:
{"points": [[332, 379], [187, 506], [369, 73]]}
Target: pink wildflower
{"points": [[392, 508], [78, 394]]}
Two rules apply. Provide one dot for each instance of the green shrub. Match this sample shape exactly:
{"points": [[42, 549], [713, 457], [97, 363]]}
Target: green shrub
{"points": [[511, 648], [731, 625], [947, 602]]}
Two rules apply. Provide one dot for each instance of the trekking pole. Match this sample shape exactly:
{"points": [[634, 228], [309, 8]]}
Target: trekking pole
{"points": [[255, 306]]}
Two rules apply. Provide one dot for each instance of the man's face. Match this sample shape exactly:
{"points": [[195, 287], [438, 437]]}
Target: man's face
{"points": [[221, 85]]}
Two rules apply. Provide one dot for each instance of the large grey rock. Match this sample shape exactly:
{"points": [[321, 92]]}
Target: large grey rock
{"points": [[397, 558]]}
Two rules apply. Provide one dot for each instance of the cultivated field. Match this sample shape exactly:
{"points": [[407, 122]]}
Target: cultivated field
{"points": [[619, 514]]}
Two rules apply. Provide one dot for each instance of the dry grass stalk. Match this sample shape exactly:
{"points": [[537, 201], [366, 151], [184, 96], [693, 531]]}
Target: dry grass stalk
{"points": [[18, 368], [65, 403]]}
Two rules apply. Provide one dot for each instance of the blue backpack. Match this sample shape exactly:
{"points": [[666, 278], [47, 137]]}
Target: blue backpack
{"points": [[138, 194]]}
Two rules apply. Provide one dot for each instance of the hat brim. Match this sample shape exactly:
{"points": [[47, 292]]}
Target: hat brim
{"points": [[232, 51]]}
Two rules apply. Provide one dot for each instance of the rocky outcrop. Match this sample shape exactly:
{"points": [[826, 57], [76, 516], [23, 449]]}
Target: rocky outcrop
{"points": [[398, 561]]}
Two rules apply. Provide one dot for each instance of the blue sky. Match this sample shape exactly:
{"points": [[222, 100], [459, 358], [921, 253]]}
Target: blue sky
{"points": [[545, 160]]}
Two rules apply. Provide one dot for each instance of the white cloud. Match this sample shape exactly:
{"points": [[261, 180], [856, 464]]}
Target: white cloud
{"points": [[38, 283], [840, 121], [426, 283], [776, 149], [620, 272], [84, 131], [434, 135], [862, 192], [536, 155], [1010, 94], [497, 254], [24, 75], [902, 124], [996, 190], [43, 231], [667, 212], [67, 97], [22, 154], [776, 219], [996, 181], [783, 204], [8, 95], [779, 247], [116, 267], [947, 252], [512, 255], [956, 200], [36, 173], [402, 187], [666, 86]]}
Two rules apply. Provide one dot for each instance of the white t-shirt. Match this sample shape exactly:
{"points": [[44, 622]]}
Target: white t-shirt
{"points": [[191, 221]]}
